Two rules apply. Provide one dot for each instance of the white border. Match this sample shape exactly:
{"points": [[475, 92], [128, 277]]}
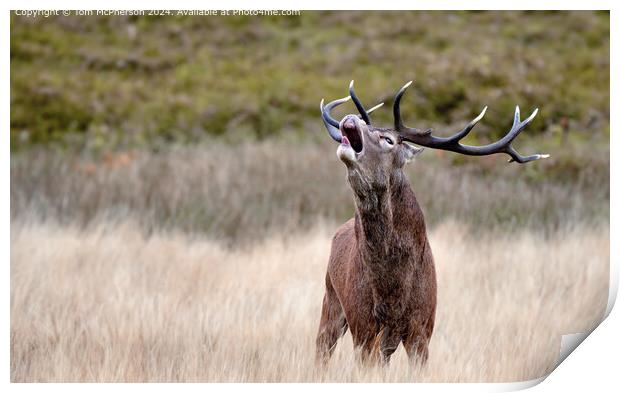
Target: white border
{"points": [[591, 365]]}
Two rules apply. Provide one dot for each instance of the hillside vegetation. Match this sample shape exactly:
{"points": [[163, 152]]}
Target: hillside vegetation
{"points": [[103, 110], [119, 82]]}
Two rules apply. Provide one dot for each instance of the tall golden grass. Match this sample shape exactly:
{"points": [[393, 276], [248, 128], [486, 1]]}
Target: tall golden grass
{"points": [[112, 304]]}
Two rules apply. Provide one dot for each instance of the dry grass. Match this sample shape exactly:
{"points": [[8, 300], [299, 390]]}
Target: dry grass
{"points": [[246, 192], [109, 304]]}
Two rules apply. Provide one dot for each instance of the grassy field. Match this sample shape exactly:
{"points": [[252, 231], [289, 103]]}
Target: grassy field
{"points": [[207, 264], [109, 304]]}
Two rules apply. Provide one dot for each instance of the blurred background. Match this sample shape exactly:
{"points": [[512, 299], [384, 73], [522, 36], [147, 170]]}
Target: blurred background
{"points": [[211, 124]]}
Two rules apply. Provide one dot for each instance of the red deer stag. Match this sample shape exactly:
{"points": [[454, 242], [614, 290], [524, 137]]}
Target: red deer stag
{"points": [[380, 280]]}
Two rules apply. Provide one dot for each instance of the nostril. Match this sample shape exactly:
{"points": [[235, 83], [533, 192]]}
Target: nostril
{"points": [[349, 124]]}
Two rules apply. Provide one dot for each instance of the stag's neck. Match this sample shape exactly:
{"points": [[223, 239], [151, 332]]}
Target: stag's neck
{"points": [[389, 222]]}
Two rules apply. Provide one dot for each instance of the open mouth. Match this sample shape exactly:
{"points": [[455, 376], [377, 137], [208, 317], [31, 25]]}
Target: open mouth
{"points": [[353, 135]]}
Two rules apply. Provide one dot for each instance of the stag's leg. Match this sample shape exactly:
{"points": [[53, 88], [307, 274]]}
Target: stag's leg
{"points": [[416, 343], [364, 332], [333, 324], [390, 339], [417, 349], [367, 349]]}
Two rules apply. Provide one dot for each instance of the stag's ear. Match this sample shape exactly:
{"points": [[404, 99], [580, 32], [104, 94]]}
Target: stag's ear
{"points": [[410, 152]]}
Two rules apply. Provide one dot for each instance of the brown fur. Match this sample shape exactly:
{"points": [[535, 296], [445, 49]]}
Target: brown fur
{"points": [[380, 280]]}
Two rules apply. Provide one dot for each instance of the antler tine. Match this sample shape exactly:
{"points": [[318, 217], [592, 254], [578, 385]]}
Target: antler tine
{"points": [[333, 126], [358, 103], [465, 131], [517, 117], [452, 143], [369, 111], [516, 157], [516, 129], [398, 120]]}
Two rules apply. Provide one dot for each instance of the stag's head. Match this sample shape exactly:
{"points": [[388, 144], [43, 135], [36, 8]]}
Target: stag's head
{"points": [[371, 154]]}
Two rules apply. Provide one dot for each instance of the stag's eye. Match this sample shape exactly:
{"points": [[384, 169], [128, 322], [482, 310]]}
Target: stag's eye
{"points": [[388, 140]]}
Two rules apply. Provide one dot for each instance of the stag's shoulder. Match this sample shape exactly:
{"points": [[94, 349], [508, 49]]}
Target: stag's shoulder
{"points": [[345, 231], [343, 240], [342, 256]]}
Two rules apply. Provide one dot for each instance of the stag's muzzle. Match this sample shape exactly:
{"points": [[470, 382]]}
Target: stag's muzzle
{"points": [[351, 129]]}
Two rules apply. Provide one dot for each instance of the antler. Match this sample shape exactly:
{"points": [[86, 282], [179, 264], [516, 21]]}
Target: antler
{"points": [[332, 125], [452, 143], [358, 104]]}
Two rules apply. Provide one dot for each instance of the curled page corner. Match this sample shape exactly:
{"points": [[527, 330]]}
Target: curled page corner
{"points": [[515, 386], [569, 343], [613, 286]]}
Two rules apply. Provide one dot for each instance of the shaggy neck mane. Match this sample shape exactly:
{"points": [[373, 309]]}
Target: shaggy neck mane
{"points": [[388, 221], [391, 238]]}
